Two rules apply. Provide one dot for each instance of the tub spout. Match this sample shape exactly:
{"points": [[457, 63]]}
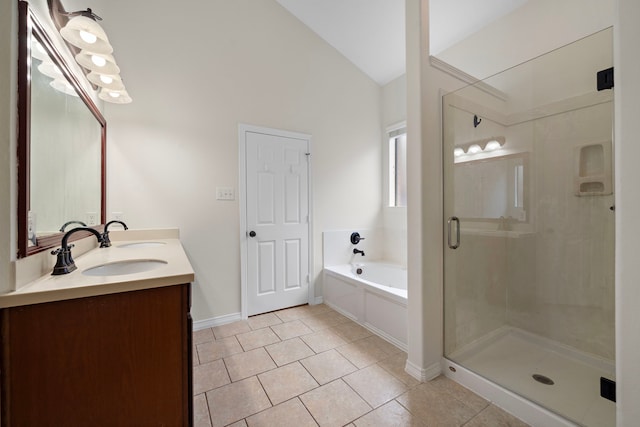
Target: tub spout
{"points": [[358, 251]]}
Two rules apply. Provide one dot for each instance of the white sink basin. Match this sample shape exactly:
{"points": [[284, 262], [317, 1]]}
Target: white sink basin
{"points": [[141, 245], [120, 268]]}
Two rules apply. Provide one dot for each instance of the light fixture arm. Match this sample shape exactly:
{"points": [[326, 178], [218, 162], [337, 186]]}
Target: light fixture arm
{"points": [[86, 13]]}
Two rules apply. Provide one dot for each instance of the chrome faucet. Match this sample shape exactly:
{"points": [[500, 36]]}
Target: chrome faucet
{"points": [[65, 263], [105, 243], [71, 222], [358, 251]]}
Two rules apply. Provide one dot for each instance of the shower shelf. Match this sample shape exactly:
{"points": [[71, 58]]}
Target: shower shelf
{"points": [[592, 169]]}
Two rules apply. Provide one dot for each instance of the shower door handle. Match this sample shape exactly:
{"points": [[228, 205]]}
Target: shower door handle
{"points": [[457, 221]]}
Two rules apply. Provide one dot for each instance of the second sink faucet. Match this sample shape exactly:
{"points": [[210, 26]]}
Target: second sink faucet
{"points": [[358, 251], [105, 243]]}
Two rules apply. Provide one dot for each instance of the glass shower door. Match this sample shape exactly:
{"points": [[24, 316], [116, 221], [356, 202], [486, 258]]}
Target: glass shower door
{"points": [[529, 230]]}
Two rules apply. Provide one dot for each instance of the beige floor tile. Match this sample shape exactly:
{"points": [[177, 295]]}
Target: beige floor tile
{"points": [[334, 404], [446, 385], [236, 401], [293, 313], [289, 351], [286, 382], [323, 340], [435, 408], [325, 320], [382, 344], [209, 376], [215, 350], [244, 365], [263, 321], [375, 385], [326, 367], [363, 353], [230, 329], [395, 364], [201, 416], [241, 423], [288, 414], [195, 361], [351, 331], [291, 329], [202, 335], [390, 414], [258, 338], [495, 417]]}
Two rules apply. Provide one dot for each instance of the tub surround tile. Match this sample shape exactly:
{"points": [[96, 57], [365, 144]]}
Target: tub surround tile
{"points": [[375, 385], [291, 329], [390, 414], [334, 404], [218, 349], [209, 376], [263, 321], [286, 382], [259, 338], [289, 351], [230, 329], [236, 401], [323, 340], [201, 416], [328, 366], [244, 365], [288, 414]]}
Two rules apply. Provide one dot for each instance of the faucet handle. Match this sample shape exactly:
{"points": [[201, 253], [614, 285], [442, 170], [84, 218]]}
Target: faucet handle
{"points": [[355, 238]]}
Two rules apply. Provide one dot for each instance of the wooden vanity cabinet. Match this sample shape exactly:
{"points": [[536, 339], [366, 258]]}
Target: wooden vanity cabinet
{"points": [[121, 359]]}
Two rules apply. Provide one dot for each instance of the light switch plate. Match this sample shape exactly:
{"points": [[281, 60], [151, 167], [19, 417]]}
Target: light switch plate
{"points": [[225, 193]]}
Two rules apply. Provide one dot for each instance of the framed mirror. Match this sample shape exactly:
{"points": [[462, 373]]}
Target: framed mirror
{"points": [[61, 144]]}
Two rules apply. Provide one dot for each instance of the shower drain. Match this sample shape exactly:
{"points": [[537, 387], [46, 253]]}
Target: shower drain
{"points": [[542, 379]]}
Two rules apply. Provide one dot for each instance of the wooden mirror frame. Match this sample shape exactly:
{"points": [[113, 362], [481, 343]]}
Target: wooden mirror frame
{"points": [[28, 24]]}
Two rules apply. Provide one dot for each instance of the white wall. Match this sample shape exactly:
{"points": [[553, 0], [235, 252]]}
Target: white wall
{"points": [[627, 153], [196, 72], [8, 70], [394, 111]]}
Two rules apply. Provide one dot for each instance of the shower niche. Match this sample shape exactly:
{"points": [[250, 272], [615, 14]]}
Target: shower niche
{"points": [[592, 170]]}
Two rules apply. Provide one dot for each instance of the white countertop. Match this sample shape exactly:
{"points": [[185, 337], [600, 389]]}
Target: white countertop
{"points": [[49, 288]]}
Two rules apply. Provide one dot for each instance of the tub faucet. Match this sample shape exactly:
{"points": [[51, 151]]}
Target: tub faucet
{"points": [[65, 263], [105, 234], [358, 251]]}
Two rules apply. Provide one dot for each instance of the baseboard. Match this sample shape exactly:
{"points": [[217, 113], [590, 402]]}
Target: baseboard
{"points": [[423, 374], [216, 321], [318, 300]]}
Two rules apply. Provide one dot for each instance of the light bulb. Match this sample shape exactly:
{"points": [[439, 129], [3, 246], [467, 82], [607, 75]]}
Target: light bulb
{"points": [[114, 94], [88, 37], [475, 148], [98, 60], [106, 79], [458, 152], [492, 145]]}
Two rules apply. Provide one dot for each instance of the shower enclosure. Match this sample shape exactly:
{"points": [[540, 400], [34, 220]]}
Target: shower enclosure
{"points": [[529, 230]]}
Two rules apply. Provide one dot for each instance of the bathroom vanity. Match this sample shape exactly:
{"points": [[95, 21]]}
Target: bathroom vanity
{"points": [[101, 350]]}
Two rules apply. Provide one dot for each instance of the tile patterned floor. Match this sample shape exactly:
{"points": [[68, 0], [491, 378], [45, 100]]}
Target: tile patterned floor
{"points": [[310, 366]]}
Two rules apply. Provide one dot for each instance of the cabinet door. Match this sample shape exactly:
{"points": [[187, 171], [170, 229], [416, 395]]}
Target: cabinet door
{"points": [[111, 360]]}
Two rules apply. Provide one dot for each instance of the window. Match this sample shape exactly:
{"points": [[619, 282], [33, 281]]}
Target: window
{"points": [[398, 168]]}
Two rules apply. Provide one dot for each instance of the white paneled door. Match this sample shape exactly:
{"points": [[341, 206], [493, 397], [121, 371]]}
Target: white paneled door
{"points": [[277, 221]]}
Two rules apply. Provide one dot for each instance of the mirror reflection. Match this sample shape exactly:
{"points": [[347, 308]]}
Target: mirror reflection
{"points": [[65, 173]]}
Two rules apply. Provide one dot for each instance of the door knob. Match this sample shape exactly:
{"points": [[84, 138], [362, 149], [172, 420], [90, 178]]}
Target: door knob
{"points": [[252, 233]]}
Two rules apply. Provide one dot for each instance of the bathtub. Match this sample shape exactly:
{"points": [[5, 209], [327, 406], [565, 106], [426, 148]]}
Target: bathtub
{"points": [[372, 294]]}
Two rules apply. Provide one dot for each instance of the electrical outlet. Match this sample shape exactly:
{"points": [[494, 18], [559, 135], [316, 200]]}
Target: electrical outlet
{"points": [[117, 216], [225, 193], [91, 218]]}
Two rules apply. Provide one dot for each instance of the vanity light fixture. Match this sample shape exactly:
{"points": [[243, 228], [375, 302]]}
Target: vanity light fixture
{"points": [[484, 145], [85, 33], [90, 44]]}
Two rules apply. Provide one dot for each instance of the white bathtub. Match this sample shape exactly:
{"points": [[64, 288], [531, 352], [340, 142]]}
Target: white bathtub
{"points": [[375, 297]]}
